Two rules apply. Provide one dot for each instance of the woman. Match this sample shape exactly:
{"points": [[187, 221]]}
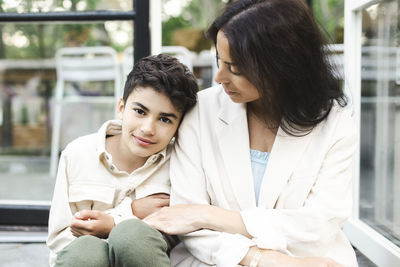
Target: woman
{"points": [[262, 170]]}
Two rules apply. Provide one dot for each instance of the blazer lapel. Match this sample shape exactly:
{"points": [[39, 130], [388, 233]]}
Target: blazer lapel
{"points": [[285, 154], [233, 139]]}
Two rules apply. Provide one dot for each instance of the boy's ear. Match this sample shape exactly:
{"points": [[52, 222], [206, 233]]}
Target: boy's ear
{"points": [[120, 108]]}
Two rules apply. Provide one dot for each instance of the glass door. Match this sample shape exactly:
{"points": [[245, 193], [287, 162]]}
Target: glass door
{"points": [[372, 51], [31, 34]]}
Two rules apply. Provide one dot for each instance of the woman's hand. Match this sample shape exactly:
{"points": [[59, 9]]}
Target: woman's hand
{"points": [[274, 258], [316, 262], [145, 206], [92, 222], [271, 258], [183, 219], [176, 220]]}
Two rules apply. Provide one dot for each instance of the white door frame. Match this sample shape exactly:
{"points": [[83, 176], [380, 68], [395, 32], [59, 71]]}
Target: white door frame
{"points": [[373, 245]]}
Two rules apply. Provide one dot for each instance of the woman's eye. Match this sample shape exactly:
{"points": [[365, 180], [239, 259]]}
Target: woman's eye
{"points": [[139, 111], [234, 69], [165, 120]]}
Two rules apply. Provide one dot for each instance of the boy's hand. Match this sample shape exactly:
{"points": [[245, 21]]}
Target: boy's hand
{"points": [[143, 207], [92, 222]]}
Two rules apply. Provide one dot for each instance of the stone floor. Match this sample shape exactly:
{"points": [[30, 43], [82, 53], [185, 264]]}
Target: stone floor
{"points": [[36, 254]]}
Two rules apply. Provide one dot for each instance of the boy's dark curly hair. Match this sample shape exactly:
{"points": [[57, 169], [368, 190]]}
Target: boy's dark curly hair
{"points": [[166, 75]]}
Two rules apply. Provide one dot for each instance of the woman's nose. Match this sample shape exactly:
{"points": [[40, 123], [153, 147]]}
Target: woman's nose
{"points": [[220, 76]]}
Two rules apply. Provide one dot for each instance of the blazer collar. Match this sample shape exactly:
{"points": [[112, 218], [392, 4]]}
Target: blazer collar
{"points": [[233, 139], [285, 156], [229, 110]]}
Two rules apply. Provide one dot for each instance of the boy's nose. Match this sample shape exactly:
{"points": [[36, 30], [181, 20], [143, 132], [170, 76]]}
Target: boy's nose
{"points": [[148, 127]]}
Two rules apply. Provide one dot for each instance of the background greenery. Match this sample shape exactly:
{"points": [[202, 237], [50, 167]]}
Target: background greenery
{"points": [[198, 14], [186, 28]]}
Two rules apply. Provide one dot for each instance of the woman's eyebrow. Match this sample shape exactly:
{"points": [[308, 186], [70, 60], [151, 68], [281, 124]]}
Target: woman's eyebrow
{"points": [[226, 62]]}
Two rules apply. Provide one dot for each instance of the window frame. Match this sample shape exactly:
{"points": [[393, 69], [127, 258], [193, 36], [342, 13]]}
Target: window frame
{"points": [[368, 241], [31, 213]]}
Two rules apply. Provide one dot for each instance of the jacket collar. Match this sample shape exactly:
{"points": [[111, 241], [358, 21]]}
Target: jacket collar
{"points": [[233, 139]]}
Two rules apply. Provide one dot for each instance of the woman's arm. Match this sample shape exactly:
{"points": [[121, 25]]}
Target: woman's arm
{"points": [[189, 186], [321, 205], [318, 219], [183, 218]]}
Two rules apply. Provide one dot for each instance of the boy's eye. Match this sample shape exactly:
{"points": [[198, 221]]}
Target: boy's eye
{"points": [[139, 111], [165, 120]]}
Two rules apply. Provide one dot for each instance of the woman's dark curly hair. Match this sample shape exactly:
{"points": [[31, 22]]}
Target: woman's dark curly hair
{"points": [[166, 75], [278, 46]]}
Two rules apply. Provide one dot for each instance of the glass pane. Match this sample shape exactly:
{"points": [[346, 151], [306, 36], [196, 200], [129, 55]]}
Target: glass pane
{"points": [[24, 6], [28, 82], [380, 120]]}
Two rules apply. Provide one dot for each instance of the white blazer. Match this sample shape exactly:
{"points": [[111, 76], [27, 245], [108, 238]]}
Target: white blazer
{"points": [[305, 196]]}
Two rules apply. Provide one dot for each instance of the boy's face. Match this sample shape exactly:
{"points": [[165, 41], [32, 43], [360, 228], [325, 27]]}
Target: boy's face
{"points": [[149, 121]]}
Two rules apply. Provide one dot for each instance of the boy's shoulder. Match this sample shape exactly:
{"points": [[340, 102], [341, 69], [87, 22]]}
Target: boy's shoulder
{"points": [[82, 144]]}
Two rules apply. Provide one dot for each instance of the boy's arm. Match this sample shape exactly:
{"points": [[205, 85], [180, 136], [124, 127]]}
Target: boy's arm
{"points": [[150, 195], [100, 224], [92, 222], [59, 234], [145, 206]]}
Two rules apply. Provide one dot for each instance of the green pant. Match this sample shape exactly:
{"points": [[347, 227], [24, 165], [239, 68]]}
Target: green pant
{"points": [[130, 243]]}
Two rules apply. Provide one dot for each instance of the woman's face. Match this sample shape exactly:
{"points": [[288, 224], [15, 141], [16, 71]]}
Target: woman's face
{"points": [[236, 86]]}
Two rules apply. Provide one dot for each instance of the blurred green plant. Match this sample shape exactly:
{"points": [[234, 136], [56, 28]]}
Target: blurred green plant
{"points": [[330, 15], [198, 14], [43, 40]]}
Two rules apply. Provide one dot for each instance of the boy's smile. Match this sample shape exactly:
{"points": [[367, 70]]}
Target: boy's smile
{"points": [[149, 121], [143, 141]]}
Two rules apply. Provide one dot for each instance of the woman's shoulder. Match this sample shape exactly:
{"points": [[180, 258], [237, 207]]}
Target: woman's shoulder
{"points": [[340, 121], [342, 113], [213, 93]]}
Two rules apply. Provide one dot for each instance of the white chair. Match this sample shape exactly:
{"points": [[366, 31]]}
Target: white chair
{"points": [[82, 65], [207, 58], [181, 53], [126, 64], [336, 58]]}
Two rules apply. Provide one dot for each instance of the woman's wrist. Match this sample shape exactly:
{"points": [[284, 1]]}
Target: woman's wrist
{"points": [[255, 259], [203, 217], [247, 259], [219, 219], [215, 218]]}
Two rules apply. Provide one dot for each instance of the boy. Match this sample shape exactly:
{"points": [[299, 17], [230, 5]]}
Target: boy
{"points": [[108, 181]]}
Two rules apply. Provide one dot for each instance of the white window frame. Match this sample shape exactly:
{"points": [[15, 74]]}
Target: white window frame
{"points": [[373, 245]]}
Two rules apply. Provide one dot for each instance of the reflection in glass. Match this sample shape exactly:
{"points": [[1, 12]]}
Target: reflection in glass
{"points": [[28, 80], [380, 120], [24, 6]]}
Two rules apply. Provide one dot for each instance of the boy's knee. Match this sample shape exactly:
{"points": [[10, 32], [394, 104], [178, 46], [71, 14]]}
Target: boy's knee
{"points": [[135, 232], [84, 251], [134, 241]]}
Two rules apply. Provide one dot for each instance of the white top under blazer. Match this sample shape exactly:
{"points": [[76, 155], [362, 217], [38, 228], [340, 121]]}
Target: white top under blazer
{"points": [[305, 195]]}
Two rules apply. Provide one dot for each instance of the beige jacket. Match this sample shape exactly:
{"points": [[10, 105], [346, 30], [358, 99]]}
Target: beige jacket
{"points": [[305, 196], [87, 179]]}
